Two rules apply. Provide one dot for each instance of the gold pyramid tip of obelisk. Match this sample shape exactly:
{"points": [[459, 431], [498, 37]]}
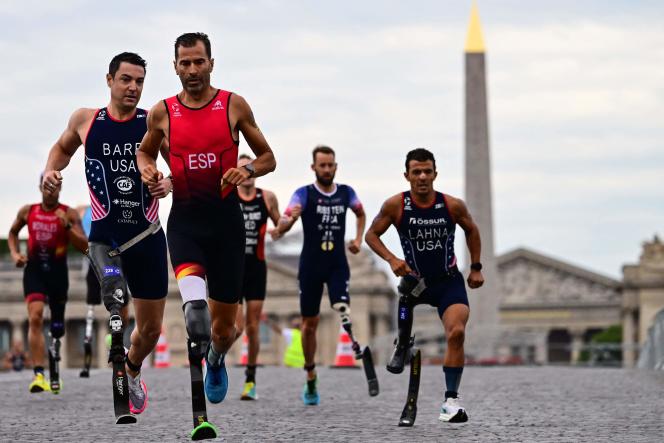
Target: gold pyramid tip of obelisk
{"points": [[474, 40]]}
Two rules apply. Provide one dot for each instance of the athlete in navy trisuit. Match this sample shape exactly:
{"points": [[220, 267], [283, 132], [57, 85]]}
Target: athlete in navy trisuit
{"points": [[258, 205], [322, 206], [206, 237], [425, 220], [52, 226], [121, 209]]}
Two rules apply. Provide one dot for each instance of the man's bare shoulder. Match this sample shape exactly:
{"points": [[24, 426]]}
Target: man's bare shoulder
{"points": [[80, 119], [158, 114], [393, 202]]}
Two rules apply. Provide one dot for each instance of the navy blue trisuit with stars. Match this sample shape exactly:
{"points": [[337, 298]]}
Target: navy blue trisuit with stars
{"points": [[427, 239], [121, 206]]}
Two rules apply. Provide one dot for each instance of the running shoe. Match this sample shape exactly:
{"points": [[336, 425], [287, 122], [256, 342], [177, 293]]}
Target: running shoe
{"points": [[138, 394], [310, 395], [249, 392], [452, 411], [216, 379], [39, 384]]}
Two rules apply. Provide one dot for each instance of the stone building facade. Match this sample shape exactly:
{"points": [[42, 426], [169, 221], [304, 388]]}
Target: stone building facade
{"points": [[643, 298]]}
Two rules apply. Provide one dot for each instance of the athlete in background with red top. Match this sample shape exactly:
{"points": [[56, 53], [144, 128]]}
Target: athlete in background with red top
{"points": [[51, 227]]}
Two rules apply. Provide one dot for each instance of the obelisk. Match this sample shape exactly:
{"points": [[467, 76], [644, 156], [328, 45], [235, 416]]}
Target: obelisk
{"points": [[483, 328]]}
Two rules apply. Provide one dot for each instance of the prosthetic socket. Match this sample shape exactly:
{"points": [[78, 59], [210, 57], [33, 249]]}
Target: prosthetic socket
{"points": [[408, 292], [197, 320], [109, 273]]}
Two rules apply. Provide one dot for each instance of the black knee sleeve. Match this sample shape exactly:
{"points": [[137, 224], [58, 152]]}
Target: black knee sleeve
{"points": [[197, 320], [57, 328], [405, 310], [109, 273]]}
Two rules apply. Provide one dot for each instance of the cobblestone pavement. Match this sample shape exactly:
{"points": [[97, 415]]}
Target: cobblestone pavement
{"points": [[543, 404]]}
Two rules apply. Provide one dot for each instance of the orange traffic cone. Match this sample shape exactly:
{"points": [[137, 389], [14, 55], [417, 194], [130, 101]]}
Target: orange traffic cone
{"points": [[162, 356], [244, 353], [345, 357]]}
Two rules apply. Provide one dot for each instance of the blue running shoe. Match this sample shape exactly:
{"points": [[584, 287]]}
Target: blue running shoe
{"points": [[310, 395], [216, 379]]}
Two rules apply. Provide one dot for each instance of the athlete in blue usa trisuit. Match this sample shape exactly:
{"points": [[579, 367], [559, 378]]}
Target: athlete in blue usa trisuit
{"points": [[425, 220], [121, 209], [323, 207]]}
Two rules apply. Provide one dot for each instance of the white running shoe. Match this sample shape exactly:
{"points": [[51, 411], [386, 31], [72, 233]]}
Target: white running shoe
{"points": [[452, 411]]}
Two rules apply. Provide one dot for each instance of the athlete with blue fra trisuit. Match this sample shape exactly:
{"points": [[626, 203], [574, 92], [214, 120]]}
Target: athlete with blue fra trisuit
{"points": [[206, 232], [425, 220], [323, 206], [122, 210]]}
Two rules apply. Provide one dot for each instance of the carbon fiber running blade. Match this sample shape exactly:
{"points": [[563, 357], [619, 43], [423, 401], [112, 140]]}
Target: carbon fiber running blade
{"points": [[370, 372]]}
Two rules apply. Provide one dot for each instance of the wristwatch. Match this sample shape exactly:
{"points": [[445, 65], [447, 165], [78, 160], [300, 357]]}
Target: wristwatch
{"points": [[476, 266], [250, 169]]}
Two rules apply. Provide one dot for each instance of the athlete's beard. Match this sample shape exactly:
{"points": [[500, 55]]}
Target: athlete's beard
{"points": [[325, 181]]}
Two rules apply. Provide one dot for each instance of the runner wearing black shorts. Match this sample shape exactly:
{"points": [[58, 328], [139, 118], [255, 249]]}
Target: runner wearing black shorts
{"points": [[257, 206], [206, 238], [426, 222], [323, 206], [51, 227], [121, 209]]}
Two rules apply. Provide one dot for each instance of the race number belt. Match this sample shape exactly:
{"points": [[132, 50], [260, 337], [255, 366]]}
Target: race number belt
{"points": [[152, 229]]}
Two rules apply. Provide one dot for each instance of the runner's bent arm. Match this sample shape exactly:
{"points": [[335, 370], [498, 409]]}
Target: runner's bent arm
{"points": [[12, 239], [146, 156], [64, 149], [360, 223], [463, 218], [242, 120], [388, 215]]}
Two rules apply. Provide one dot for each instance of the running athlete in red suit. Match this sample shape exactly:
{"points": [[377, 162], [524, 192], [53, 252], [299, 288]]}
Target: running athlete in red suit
{"points": [[206, 238], [51, 227]]}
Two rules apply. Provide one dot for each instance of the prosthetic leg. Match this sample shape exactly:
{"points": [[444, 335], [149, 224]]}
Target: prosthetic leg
{"points": [[56, 332], [365, 355], [114, 295], [404, 350], [197, 320], [87, 342]]}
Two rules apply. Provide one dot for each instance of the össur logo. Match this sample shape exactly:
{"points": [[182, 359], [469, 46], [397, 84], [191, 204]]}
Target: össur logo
{"points": [[111, 270], [124, 184]]}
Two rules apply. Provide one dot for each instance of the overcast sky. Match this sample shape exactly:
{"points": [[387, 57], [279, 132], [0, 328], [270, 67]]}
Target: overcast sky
{"points": [[576, 101]]}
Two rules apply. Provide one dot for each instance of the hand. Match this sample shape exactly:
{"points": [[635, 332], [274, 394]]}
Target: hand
{"points": [[234, 176], [150, 176], [275, 234], [354, 246], [475, 279], [162, 188], [52, 181], [20, 260], [399, 267], [62, 215], [296, 211]]}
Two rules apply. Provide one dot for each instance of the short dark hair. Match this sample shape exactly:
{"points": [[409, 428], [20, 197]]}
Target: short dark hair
{"points": [[129, 57], [247, 156], [323, 150], [189, 40], [420, 155]]}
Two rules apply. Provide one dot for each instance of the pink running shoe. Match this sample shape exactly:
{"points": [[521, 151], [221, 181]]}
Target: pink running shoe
{"points": [[138, 395]]}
